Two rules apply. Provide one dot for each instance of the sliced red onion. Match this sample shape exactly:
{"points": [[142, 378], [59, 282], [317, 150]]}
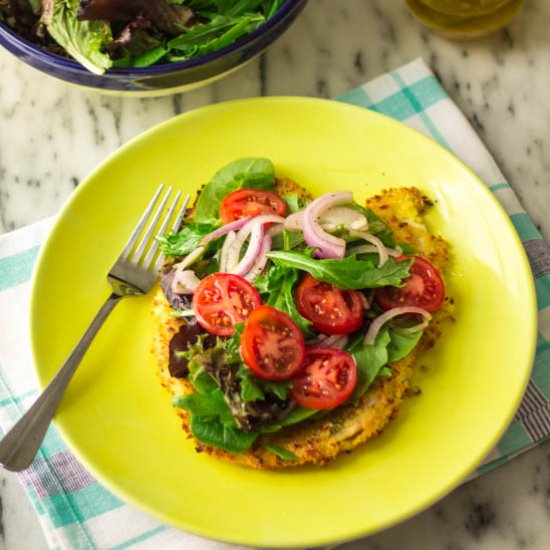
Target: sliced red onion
{"points": [[361, 249], [232, 226], [260, 263], [327, 245], [190, 258], [267, 218], [338, 341], [254, 228], [275, 229], [380, 248], [252, 252], [381, 320], [341, 342], [331, 220], [295, 222], [368, 248], [226, 249], [184, 282], [415, 328], [181, 268], [231, 259], [339, 216]]}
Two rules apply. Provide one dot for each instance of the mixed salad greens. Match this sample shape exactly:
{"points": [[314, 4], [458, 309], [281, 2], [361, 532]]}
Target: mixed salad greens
{"points": [[292, 307], [101, 34]]}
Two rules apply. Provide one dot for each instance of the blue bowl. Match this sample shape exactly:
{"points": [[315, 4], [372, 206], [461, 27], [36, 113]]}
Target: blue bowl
{"points": [[157, 79]]}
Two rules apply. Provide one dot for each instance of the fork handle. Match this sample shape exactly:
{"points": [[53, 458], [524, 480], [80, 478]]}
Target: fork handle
{"points": [[20, 445]]}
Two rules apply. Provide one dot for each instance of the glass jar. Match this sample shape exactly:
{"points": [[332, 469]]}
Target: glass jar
{"points": [[464, 19]]}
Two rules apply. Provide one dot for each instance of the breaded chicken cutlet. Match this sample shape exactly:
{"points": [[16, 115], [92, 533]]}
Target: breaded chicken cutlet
{"points": [[349, 425]]}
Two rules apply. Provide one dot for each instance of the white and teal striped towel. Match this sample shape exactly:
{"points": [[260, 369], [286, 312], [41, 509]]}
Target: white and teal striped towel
{"points": [[78, 513]]}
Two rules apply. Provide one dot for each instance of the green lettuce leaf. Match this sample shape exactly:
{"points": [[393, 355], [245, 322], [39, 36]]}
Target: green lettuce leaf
{"points": [[212, 423], [369, 360], [390, 345], [211, 404], [212, 431], [255, 173], [85, 41], [401, 343]]}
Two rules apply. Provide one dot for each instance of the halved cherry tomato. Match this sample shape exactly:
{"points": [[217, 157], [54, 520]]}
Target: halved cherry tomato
{"points": [[330, 309], [222, 300], [251, 202], [272, 345], [326, 380], [424, 288]]}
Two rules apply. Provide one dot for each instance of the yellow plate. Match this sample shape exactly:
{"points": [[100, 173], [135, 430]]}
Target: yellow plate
{"points": [[119, 421]]}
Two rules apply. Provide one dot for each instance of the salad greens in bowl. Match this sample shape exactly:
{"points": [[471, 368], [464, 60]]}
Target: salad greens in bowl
{"points": [[141, 45]]}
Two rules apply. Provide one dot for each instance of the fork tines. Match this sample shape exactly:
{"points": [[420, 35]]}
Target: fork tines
{"points": [[147, 248]]}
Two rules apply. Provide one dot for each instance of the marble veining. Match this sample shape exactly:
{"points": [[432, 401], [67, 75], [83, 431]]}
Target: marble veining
{"points": [[52, 135]]}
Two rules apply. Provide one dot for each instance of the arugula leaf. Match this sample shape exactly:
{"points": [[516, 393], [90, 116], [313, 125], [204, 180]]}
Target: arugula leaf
{"points": [[212, 431], [255, 173], [272, 7], [238, 27], [280, 452], [348, 273], [277, 285], [186, 240], [150, 57], [215, 34], [288, 240]]}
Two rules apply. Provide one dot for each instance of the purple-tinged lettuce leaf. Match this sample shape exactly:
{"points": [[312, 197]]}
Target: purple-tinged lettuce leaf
{"points": [[165, 17]]}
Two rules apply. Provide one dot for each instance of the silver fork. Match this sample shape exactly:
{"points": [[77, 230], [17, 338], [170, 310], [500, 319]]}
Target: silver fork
{"points": [[133, 274]]}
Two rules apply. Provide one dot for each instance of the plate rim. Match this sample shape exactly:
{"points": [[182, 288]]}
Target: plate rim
{"points": [[421, 505]]}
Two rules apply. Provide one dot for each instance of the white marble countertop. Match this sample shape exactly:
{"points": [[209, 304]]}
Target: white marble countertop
{"points": [[52, 135]]}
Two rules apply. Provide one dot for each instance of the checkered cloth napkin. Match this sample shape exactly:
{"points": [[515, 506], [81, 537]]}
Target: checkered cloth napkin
{"points": [[75, 511]]}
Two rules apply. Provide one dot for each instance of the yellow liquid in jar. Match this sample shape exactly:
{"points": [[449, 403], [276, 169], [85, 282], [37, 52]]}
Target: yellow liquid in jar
{"points": [[465, 18]]}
